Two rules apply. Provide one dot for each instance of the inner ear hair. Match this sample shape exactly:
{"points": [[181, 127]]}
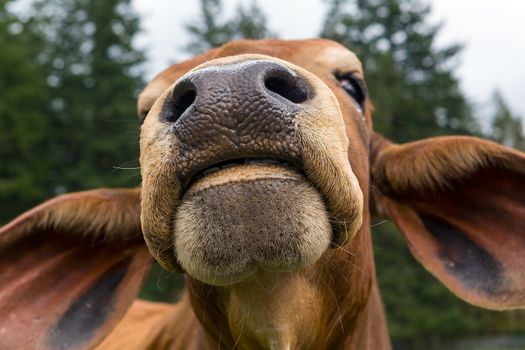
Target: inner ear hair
{"points": [[437, 163], [102, 214]]}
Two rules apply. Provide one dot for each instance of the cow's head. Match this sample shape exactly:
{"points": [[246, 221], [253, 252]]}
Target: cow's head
{"points": [[259, 166], [255, 159]]}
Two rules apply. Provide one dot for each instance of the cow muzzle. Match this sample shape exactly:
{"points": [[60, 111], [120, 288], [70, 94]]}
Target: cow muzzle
{"points": [[244, 169]]}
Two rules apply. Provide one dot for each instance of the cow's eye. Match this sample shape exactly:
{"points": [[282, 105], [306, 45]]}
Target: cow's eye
{"points": [[353, 86]]}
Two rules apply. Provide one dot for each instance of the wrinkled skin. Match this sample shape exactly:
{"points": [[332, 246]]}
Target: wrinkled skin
{"points": [[261, 224], [260, 172]]}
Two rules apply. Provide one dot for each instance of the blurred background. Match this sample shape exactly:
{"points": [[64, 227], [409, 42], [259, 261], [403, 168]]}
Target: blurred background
{"points": [[70, 71]]}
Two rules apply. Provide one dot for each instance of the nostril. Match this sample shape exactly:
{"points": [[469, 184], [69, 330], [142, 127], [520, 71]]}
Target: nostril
{"points": [[181, 101], [287, 87]]}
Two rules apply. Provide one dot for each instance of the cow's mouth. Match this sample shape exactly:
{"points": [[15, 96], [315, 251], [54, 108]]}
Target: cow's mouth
{"points": [[216, 168], [249, 214], [222, 217]]}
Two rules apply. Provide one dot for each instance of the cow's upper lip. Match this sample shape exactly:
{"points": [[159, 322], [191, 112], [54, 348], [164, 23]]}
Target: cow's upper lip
{"points": [[216, 166]]}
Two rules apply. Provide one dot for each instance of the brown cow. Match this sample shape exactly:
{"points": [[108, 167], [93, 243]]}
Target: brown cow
{"points": [[257, 162]]}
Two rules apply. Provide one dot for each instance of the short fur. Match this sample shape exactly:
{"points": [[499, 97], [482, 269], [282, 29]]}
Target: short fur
{"points": [[458, 201], [98, 215], [434, 163]]}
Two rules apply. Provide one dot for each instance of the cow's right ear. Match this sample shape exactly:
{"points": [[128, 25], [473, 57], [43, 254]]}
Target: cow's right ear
{"points": [[460, 204], [69, 269]]}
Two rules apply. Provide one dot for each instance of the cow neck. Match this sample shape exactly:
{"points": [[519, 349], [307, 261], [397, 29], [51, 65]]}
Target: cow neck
{"points": [[332, 303]]}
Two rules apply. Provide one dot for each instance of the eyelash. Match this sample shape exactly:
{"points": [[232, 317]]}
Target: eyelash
{"points": [[353, 87]]}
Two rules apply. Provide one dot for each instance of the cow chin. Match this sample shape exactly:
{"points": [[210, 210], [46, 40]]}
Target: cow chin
{"points": [[241, 220]]}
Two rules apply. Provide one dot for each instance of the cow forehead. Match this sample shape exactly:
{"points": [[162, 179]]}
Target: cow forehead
{"points": [[319, 56], [312, 54]]}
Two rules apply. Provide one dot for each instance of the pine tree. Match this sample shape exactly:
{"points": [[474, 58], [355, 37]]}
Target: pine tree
{"points": [[507, 128], [412, 83], [93, 78], [250, 23], [212, 30], [24, 171]]}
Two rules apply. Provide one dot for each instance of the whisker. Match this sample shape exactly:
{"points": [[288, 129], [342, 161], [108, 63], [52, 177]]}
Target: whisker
{"points": [[240, 332], [203, 57], [345, 250], [340, 317], [124, 168], [378, 223], [206, 304], [267, 291], [337, 269]]}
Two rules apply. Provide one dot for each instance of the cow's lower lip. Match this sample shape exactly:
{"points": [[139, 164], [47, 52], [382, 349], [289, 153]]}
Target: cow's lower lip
{"points": [[238, 220], [247, 172], [237, 162]]}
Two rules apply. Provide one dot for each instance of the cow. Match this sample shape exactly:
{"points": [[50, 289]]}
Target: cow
{"points": [[260, 173]]}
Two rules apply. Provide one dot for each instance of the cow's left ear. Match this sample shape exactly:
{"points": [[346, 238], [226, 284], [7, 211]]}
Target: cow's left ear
{"points": [[460, 204], [69, 269]]}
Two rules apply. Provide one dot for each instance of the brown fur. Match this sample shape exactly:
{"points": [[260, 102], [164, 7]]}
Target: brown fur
{"points": [[457, 200], [53, 254], [432, 164], [98, 215], [338, 168], [473, 186]]}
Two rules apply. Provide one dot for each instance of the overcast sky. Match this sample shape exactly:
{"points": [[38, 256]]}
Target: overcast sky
{"points": [[492, 32]]}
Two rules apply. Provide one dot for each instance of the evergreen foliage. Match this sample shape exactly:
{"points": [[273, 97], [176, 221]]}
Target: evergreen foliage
{"points": [[507, 128], [412, 82], [93, 78], [23, 126], [69, 75], [212, 30]]}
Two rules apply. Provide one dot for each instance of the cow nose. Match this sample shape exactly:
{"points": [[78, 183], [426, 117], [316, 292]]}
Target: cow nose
{"points": [[230, 89]]}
